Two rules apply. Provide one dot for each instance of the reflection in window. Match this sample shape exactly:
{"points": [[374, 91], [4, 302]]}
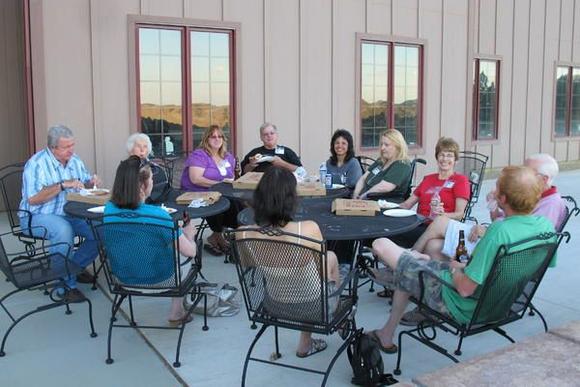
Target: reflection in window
{"points": [[210, 82], [486, 101], [164, 65], [160, 87], [389, 101], [567, 109]]}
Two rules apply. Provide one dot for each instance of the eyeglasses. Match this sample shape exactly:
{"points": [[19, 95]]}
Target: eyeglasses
{"points": [[216, 136], [444, 155]]}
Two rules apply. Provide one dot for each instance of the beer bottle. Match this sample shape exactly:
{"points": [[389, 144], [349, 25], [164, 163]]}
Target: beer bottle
{"points": [[237, 169], [461, 254]]}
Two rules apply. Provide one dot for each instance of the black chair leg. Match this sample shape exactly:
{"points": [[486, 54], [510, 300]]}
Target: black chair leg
{"points": [[114, 309], [133, 323], [205, 327], [244, 372], [336, 355], [92, 325], [278, 354]]}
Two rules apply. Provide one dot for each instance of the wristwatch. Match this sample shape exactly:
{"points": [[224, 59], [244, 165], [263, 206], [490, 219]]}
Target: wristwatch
{"points": [[61, 186]]}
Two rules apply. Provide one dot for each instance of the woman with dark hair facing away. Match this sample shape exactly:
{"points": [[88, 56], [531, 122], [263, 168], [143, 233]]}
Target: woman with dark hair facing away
{"points": [[342, 165], [275, 201], [133, 184], [208, 165]]}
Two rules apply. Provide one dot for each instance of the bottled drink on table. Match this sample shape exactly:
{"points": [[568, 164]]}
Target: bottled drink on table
{"points": [[461, 254], [237, 170], [323, 173]]}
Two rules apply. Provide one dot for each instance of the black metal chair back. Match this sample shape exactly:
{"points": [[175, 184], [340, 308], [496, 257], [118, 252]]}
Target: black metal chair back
{"points": [[504, 296], [365, 162], [514, 267], [140, 253], [472, 165], [41, 271], [140, 257], [571, 210], [283, 280], [11, 187]]}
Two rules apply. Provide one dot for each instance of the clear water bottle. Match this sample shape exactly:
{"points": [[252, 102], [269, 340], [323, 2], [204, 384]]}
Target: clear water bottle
{"points": [[435, 201], [322, 173]]}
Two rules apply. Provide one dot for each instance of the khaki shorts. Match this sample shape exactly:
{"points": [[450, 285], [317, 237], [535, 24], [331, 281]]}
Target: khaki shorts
{"points": [[407, 279]]}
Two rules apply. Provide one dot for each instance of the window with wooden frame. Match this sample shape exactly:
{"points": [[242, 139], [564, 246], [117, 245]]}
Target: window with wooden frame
{"points": [[485, 99], [185, 83], [567, 109], [391, 85]]}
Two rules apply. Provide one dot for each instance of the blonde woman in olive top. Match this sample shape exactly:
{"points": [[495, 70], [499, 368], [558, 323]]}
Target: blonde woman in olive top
{"points": [[392, 170]]}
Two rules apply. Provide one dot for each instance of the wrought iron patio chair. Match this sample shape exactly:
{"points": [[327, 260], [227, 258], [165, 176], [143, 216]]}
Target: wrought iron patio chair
{"points": [[40, 271], [472, 165], [499, 298], [563, 236], [365, 162], [140, 257], [11, 188], [284, 286]]}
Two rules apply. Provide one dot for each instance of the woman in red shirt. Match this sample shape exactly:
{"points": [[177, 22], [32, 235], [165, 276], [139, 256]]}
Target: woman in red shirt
{"points": [[452, 188]]}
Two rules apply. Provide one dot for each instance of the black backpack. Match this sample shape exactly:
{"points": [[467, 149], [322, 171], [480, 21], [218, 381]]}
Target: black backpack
{"points": [[366, 361]]}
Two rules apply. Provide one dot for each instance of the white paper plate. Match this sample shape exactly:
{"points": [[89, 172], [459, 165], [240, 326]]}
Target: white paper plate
{"points": [[169, 210], [399, 212], [97, 210], [264, 159], [384, 204], [336, 186]]}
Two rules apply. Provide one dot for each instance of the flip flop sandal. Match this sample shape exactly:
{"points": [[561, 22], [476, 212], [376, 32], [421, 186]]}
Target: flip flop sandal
{"points": [[316, 345], [179, 321], [387, 293], [391, 349], [212, 249]]}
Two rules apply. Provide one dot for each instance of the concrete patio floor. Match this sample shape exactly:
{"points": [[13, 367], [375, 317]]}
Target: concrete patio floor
{"points": [[54, 349]]}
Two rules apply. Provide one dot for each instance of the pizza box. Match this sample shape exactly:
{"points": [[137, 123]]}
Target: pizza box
{"points": [[248, 181], [354, 207], [210, 197]]}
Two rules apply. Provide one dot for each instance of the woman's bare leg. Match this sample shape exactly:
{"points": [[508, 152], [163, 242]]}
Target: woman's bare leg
{"points": [[436, 230]]}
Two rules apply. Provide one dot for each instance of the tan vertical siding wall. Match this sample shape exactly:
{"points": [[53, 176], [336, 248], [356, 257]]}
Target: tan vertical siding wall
{"points": [[297, 68], [13, 131]]}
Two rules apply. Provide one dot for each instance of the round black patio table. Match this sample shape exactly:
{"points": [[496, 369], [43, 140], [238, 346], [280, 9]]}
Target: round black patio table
{"points": [[80, 210], [227, 190], [336, 227]]}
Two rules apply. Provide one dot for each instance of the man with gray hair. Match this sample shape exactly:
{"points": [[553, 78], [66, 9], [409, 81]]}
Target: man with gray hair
{"points": [[261, 158], [48, 176]]}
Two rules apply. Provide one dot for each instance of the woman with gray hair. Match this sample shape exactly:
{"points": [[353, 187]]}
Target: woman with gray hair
{"points": [[139, 144]]}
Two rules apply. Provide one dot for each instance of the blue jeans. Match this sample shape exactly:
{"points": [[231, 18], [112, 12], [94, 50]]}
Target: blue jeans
{"points": [[61, 229]]}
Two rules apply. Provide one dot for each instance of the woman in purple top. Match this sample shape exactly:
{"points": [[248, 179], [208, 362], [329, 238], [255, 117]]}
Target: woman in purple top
{"points": [[210, 164]]}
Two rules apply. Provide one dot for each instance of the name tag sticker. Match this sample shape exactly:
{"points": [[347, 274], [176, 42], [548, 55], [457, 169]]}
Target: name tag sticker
{"points": [[279, 150], [449, 184], [227, 164]]}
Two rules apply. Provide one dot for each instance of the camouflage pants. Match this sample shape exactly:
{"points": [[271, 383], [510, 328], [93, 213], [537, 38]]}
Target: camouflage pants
{"points": [[407, 279]]}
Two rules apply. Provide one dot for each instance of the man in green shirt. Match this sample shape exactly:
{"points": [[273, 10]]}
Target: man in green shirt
{"points": [[518, 191]]}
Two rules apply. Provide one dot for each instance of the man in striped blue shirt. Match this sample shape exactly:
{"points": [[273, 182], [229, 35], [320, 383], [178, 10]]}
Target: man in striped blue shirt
{"points": [[48, 175]]}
